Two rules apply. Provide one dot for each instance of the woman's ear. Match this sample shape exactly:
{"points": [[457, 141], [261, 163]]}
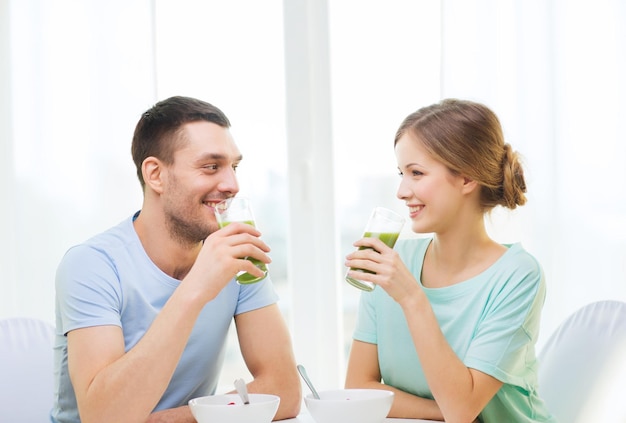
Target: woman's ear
{"points": [[153, 173], [469, 185]]}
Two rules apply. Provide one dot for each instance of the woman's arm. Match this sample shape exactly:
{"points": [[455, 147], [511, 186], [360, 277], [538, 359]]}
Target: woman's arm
{"points": [[461, 393], [363, 372]]}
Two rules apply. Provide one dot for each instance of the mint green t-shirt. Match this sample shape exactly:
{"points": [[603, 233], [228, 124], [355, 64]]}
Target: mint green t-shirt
{"points": [[491, 321]]}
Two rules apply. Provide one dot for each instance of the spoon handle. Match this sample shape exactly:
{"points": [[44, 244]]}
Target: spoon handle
{"points": [[242, 390], [304, 375]]}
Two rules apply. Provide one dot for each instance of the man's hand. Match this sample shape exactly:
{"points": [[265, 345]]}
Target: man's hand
{"points": [[223, 255]]}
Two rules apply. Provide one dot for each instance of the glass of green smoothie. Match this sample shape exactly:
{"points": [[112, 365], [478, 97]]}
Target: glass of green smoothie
{"points": [[238, 209], [385, 225]]}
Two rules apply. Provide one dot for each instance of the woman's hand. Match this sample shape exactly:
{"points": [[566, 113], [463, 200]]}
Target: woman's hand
{"points": [[389, 272]]}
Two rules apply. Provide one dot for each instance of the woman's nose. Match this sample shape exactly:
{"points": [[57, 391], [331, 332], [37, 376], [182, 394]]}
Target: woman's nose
{"points": [[403, 191]]}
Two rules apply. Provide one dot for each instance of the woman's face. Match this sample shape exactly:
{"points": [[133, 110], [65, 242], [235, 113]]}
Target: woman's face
{"points": [[432, 193]]}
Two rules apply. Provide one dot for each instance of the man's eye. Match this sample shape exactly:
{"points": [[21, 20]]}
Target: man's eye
{"points": [[211, 167], [235, 167], [400, 173]]}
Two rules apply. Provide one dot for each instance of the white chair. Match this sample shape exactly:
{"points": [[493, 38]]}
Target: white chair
{"points": [[582, 367], [26, 370]]}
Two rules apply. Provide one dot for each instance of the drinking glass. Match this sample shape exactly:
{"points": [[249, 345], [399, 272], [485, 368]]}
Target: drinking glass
{"points": [[238, 209], [385, 225]]}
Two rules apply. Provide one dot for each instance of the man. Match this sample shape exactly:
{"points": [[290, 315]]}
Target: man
{"points": [[143, 309]]}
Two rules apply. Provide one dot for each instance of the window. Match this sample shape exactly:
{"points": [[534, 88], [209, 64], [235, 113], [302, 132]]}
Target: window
{"points": [[385, 64], [315, 91]]}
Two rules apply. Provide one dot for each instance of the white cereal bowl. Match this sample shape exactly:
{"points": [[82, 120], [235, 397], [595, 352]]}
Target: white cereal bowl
{"points": [[229, 408], [350, 405]]}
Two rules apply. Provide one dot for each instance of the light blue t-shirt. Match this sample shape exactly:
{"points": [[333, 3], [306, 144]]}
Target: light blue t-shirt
{"points": [[491, 321], [110, 280]]}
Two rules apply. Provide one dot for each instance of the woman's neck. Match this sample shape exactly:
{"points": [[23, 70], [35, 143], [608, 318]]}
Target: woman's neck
{"points": [[455, 257]]}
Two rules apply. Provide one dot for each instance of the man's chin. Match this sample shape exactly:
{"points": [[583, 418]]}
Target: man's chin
{"points": [[210, 230]]}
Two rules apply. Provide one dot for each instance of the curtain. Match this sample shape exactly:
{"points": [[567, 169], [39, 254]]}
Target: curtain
{"points": [[78, 76], [553, 72], [75, 77]]}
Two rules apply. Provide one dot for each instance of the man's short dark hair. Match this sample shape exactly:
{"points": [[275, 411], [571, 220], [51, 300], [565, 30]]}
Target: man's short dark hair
{"points": [[157, 133]]}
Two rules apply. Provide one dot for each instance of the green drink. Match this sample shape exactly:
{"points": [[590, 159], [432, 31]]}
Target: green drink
{"points": [[237, 209], [245, 278], [389, 239], [385, 225]]}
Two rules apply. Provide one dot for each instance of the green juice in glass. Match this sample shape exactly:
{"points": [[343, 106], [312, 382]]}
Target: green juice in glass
{"points": [[245, 278], [389, 238]]}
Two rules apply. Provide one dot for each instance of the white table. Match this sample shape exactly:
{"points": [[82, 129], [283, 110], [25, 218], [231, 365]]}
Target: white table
{"points": [[304, 417]]}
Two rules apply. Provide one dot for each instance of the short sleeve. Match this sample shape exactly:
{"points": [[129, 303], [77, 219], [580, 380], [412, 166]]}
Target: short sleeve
{"points": [[87, 289], [256, 295], [503, 343], [365, 329]]}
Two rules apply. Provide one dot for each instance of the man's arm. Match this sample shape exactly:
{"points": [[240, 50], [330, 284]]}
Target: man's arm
{"points": [[180, 414], [266, 348], [114, 386], [102, 374]]}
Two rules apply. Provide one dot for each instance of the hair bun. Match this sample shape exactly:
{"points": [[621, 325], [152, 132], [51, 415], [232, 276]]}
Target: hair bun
{"points": [[513, 182]]}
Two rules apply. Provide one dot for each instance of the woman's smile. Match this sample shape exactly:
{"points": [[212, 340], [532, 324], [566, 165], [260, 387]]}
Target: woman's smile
{"points": [[415, 209]]}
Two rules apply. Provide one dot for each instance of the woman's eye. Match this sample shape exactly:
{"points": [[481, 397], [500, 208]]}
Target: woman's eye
{"points": [[413, 173]]}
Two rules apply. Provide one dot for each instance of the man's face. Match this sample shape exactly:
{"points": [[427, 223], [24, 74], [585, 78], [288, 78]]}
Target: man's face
{"points": [[202, 174]]}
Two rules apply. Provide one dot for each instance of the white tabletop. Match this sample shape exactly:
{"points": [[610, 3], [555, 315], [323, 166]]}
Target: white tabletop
{"points": [[306, 418]]}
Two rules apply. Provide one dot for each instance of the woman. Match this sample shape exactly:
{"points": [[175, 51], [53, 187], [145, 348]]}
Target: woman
{"points": [[453, 329]]}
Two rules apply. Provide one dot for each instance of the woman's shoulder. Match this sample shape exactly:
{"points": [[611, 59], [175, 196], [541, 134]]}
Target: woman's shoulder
{"points": [[519, 258], [519, 269], [412, 251], [413, 243]]}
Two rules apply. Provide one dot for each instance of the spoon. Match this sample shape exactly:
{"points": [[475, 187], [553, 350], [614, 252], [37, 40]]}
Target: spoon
{"points": [[242, 390], [302, 372]]}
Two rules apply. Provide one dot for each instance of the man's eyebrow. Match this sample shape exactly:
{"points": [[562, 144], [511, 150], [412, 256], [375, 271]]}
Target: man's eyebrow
{"points": [[217, 157]]}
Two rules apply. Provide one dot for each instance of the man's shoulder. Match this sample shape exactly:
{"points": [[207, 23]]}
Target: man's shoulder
{"points": [[116, 238], [120, 233]]}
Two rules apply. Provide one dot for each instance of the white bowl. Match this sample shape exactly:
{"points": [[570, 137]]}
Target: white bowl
{"points": [[229, 408], [350, 405]]}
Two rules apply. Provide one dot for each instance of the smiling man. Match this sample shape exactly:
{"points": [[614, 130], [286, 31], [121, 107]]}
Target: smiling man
{"points": [[144, 308]]}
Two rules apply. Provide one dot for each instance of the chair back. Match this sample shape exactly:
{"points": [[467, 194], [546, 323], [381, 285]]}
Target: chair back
{"points": [[582, 367], [26, 370]]}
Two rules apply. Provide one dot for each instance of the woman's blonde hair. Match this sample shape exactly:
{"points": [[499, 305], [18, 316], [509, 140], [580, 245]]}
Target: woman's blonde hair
{"points": [[467, 138]]}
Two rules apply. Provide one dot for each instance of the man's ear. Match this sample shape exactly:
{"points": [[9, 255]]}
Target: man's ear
{"points": [[153, 172]]}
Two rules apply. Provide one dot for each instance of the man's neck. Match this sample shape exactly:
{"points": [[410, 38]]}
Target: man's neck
{"points": [[173, 257]]}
